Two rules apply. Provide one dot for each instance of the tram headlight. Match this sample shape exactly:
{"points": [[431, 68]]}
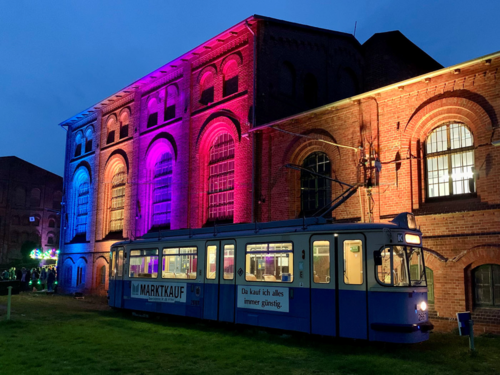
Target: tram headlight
{"points": [[423, 306]]}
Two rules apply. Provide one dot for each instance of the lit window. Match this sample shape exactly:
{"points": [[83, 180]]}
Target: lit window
{"points": [[221, 179], [315, 190], [162, 191], [144, 263], [211, 262], [450, 161], [180, 263], [81, 210], [117, 200], [321, 262], [487, 285], [228, 262], [271, 262], [353, 262]]}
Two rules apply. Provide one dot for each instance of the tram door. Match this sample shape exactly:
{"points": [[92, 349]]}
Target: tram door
{"points": [[351, 271], [118, 277], [323, 318], [212, 270]]}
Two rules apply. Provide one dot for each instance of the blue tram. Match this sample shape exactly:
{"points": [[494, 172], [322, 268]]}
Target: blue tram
{"points": [[361, 281]]}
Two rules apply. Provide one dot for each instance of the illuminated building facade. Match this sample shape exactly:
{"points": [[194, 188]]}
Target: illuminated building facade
{"points": [[30, 206], [196, 143]]}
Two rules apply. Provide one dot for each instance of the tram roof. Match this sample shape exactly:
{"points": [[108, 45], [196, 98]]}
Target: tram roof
{"points": [[269, 228]]}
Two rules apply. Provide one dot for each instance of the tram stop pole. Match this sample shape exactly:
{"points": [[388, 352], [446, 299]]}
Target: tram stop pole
{"points": [[8, 301], [471, 335]]}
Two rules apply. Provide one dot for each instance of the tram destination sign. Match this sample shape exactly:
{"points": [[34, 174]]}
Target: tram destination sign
{"points": [[263, 298], [159, 292]]}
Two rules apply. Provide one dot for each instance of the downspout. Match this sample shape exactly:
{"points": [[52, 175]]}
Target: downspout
{"points": [[253, 117]]}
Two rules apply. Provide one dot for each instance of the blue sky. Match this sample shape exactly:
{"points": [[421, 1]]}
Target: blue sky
{"points": [[60, 57]]}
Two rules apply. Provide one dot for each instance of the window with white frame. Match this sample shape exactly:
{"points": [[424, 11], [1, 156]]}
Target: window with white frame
{"points": [[117, 200], [82, 209], [450, 161], [162, 191], [221, 179]]}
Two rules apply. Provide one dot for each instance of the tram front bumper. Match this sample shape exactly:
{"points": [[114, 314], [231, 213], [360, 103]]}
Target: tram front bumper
{"points": [[403, 328]]}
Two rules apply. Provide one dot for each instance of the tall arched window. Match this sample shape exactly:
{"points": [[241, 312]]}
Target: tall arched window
{"points": [[162, 191], [78, 144], [152, 113], [89, 134], [487, 285], [82, 209], [230, 78], [207, 88], [170, 101], [101, 276], [221, 179], [450, 161], [110, 127], [315, 190], [117, 200], [124, 122]]}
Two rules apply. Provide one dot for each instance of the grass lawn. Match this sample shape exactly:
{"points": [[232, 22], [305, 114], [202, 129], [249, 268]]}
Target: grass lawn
{"points": [[61, 335]]}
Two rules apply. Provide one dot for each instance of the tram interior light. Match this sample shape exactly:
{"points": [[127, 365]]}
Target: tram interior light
{"points": [[412, 238]]}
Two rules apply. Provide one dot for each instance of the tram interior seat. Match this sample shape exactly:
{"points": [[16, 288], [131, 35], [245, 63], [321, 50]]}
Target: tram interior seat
{"points": [[269, 278], [250, 277], [168, 275]]}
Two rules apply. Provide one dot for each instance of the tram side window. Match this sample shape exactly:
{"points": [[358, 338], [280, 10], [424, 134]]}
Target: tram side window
{"points": [[393, 269], [211, 261], [270, 262], [180, 263], [321, 262], [353, 262], [228, 262], [144, 263]]}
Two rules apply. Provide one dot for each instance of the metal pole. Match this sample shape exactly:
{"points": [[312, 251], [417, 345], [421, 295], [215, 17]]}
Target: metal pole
{"points": [[471, 335], [8, 302]]}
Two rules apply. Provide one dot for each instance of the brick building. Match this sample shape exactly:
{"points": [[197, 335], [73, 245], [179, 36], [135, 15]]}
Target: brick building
{"points": [[206, 139], [30, 205]]}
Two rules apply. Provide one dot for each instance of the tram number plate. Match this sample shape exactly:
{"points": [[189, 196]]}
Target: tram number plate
{"points": [[422, 316]]}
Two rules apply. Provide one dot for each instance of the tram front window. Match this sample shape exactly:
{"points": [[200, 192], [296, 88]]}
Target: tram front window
{"points": [[400, 266], [417, 268]]}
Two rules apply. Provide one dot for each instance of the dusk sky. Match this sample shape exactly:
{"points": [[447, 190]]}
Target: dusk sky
{"points": [[58, 58]]}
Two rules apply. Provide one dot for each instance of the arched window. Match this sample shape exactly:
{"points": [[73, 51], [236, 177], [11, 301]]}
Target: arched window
{"points": [[20, 196], [68, 275], [26, 220], [450, 161], [35, 197], [89, 134], [152, 113], [310, 90], [315, 190], [170, 102], [207, 88], [124, 122], [78, 144], [221, 179], [80, 274], [56, 200], [50, 239], [110, 127], [82, 209], [36, 220], [52, 223], [162, 191], [230, 78], [117, 200], [487, 285], [287, 79]]}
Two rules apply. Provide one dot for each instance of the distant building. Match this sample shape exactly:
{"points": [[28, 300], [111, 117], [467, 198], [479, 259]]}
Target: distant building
{"points": [[207, 137], [30, 206]]}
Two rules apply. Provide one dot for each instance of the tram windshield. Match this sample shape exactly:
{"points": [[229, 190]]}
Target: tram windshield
{"points": [[400, 266]]}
